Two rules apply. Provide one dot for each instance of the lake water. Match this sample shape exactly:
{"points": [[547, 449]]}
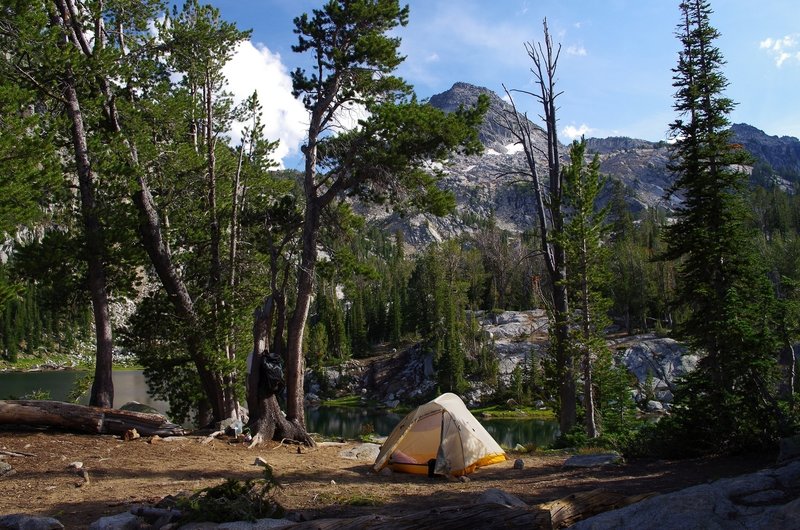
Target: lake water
{"points": [[344, 422]]}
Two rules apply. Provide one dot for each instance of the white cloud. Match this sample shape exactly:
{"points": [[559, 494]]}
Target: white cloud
{"points": [[572, 132], [782, 49], [432, 58], [256, 68], [576, 50]]}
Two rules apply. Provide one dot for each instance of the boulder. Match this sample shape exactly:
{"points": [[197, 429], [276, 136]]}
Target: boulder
{"points": [[135, 406], [367, 452], [602, 459], [757, 501], [122, 521], [19, 521], [498, 496], [655, 406]]}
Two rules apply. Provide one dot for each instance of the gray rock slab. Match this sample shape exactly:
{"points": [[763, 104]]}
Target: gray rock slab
{"points": [[122, 521], [366, 451], [19, 521], [603, 459], [751, 501], [498, 496]]}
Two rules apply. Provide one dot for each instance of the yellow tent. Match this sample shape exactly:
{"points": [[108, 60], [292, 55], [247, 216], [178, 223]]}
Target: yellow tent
{"points": [[441, 435]]}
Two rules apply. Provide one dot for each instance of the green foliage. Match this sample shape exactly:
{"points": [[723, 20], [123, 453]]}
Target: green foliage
{"points": [[234, 500], [727, 402], [437, 291], [81, 386]]}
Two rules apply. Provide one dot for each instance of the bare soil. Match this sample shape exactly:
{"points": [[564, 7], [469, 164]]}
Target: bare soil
{"points": [[315, 482]]}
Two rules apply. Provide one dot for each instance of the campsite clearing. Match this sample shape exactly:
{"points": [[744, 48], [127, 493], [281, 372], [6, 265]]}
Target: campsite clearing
{"points": [[316, 482]]}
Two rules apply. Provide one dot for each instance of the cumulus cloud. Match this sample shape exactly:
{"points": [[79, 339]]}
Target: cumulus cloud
{"points": [[572, 132], [254, 67], [576, 50], [782, 49]]}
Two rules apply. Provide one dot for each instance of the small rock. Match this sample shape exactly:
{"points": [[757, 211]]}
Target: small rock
{"points": [[260, 462], [131, 434], [519, 464], [386, 472], [75, 465], [154, 439], [333, 482], [20, 521], [5, 469], [463, 478], [498, 496]]}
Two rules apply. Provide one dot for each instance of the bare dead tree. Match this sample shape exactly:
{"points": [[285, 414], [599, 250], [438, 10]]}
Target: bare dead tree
{"points": [[547, 188]]}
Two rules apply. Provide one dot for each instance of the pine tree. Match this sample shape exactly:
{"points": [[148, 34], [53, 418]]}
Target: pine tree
{"points": [[582, 238], [727, 401]]}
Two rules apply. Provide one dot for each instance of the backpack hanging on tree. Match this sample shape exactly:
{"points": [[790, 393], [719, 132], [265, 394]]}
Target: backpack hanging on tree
{"points": [[271, 376]]}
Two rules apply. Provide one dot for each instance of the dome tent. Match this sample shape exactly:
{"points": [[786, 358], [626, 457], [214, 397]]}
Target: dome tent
{"points": [[443, 435]]}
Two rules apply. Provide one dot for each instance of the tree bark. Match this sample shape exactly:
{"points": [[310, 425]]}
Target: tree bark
{"points": [[305, 286], [102, 392], [266, 419], [161, 258]]}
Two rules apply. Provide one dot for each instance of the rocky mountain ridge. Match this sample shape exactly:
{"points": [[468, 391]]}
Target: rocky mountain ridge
{"points": [[490, 185]]}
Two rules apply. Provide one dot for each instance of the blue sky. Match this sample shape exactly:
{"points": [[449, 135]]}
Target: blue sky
{"points": [[614, 71]]}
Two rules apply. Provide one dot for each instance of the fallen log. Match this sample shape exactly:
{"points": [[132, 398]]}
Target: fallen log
{"points": [[575, 507], [484, 515], [92, 420]]}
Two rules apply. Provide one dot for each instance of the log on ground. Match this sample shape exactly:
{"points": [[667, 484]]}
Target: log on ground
{"points": [[485, 515], [568, 510], [81, 418]]}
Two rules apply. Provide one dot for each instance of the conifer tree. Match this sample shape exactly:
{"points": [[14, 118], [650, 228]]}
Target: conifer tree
{"points": [[582, 238], [727, 401]]}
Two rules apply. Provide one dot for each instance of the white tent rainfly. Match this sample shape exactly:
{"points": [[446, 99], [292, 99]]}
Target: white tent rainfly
{"points": [[439, 437]]}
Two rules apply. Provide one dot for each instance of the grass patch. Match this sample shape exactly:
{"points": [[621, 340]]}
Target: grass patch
{"points": [[353, 499], [521, 412], [346, 401]]}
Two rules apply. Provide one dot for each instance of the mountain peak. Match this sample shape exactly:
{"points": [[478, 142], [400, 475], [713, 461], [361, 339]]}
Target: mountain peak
{"points": [[492, 132]]}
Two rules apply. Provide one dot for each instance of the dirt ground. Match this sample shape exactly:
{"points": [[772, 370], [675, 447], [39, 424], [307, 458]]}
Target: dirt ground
{"points": [[316, 482]]}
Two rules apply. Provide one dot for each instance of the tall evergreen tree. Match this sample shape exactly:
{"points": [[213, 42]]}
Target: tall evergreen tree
{"points": [[727, 401], [582, 239]]}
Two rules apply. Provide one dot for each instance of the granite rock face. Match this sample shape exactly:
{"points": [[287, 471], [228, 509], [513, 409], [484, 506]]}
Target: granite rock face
{"points": [[487, 186], [764, 500]]}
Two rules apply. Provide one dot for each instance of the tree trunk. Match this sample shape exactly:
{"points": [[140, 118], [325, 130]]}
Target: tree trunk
{"points": [[305, 290], [102, 393], [153, 241], [266, 420], [588, 386]]}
